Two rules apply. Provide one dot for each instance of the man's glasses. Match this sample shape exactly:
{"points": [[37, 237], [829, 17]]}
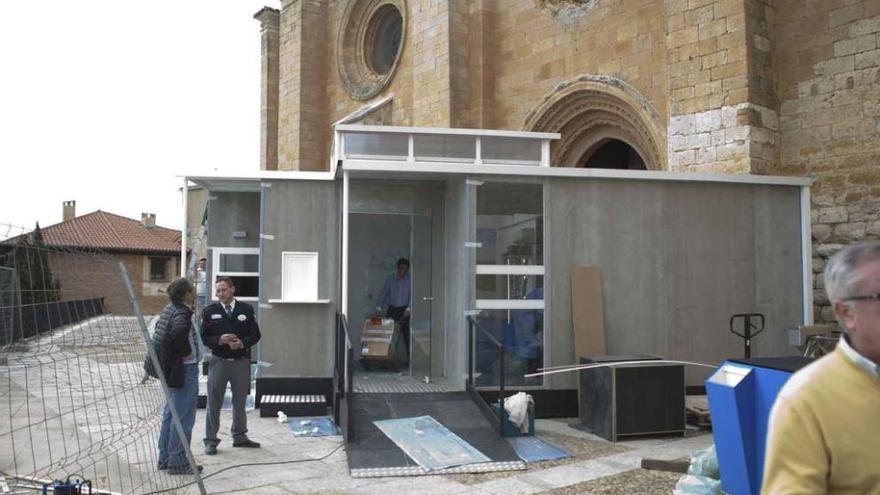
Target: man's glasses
{"points": [[864, 297]]}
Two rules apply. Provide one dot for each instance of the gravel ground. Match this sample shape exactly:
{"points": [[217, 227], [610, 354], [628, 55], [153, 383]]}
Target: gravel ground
{"points": [[635, 482], [581, 449]]}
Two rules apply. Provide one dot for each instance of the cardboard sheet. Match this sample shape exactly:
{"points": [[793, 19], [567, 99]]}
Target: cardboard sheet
{"points": [[588, 320]]}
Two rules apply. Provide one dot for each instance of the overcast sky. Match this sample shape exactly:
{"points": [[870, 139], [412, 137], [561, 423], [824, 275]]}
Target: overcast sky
{"points": [[104, 102]]}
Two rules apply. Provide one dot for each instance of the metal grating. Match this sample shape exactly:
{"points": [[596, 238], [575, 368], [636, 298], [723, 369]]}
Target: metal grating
{"points": [[483, 467], [393, 383], [292, 399]]}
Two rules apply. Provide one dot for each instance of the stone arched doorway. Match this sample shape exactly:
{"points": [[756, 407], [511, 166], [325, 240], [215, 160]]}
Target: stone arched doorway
{"points": [[612, 153], [604, 123]]}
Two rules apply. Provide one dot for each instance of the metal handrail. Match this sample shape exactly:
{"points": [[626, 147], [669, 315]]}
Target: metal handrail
{"points": [[343, 377], [471, 387]]}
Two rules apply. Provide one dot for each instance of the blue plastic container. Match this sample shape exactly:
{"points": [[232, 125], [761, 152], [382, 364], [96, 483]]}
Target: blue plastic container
{"points": [[741, 394]]}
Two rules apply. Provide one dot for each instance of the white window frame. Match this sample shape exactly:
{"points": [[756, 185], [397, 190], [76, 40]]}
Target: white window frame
{"points": [[215, 268], [510, 271]]}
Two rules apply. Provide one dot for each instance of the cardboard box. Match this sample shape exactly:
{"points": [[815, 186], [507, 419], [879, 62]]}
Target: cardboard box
{"points": [[379, 339]]}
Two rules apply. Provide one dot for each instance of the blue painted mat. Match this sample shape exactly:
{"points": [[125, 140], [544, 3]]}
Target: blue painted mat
{"points": [[315, 426], [533, 449], [429, 443]]}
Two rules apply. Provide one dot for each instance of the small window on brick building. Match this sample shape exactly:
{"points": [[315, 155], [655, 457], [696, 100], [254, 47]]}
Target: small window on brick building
{"points": [[382, 42], [158, 268]]}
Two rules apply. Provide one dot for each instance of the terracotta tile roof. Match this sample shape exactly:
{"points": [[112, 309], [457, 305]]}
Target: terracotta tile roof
{"points": [[110, 232]]}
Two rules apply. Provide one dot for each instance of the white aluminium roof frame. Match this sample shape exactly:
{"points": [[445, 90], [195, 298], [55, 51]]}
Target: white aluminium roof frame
{"points": [[340, 131], [364, 166]]}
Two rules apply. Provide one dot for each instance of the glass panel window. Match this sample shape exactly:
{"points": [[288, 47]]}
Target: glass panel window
{"points": [[239, 262], [242, 266], [510, 224], [374, 144], [444, 147], [245, 286], [510, 150], [522, 332], [509, 282]]}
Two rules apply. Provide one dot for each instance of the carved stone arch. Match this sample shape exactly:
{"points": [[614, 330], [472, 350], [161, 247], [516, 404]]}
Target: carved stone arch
{"points": [[591, 110]]}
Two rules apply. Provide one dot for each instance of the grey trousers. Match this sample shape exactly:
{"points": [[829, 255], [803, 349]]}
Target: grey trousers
{"points": [[220, 372]]}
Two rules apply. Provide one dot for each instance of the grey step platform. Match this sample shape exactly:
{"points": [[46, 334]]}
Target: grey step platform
{"points": [[293, 405]]}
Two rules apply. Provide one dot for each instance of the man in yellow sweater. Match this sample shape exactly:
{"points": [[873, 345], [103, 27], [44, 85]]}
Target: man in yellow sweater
{"points": [[824, 433]]}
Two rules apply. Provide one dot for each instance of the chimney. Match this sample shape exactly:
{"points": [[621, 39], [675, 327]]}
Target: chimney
{"points": [[69, 211], [148, 220]]}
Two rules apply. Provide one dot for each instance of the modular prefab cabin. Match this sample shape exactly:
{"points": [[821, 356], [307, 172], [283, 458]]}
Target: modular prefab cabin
{"points": [[492, 231]]}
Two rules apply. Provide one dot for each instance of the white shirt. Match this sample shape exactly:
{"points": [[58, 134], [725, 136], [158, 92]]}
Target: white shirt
{"points": [[231, 306], [201, 283], [861, 361]]}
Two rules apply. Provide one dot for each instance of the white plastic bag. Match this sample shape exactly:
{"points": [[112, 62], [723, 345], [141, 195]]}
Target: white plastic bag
{"points": [[705, 463], [517, 407], [690, 484]]}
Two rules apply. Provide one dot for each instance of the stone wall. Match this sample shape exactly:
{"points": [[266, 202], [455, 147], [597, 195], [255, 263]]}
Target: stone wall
{"points": [[419, 88], [269, 44], [303, 126], [531, 50], [718, 123], [827, 59]]}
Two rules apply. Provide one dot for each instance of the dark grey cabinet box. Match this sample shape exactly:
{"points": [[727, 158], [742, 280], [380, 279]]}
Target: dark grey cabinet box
{"points": [[636, 399]]}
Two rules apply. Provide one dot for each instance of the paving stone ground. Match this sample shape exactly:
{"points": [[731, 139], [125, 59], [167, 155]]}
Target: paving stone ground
{"points": [[597, 466]]}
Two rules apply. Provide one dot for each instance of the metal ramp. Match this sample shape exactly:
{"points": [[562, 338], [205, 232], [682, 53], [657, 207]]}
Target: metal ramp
{"points": [[372, 454], [359, 401]]}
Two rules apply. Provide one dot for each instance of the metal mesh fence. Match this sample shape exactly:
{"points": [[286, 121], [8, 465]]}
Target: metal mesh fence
{"points": [[75, 401], [8, 299]]}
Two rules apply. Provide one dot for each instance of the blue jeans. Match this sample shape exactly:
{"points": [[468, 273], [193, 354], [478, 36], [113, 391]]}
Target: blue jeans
{"points": [[171, 451]]}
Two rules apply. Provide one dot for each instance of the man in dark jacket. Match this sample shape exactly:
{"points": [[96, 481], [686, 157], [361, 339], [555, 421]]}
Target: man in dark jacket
{"points": [[176, 345], [229, 329]]}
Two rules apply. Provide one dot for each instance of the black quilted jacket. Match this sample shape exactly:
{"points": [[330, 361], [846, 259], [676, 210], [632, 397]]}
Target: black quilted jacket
{"points": [[171, 341]]}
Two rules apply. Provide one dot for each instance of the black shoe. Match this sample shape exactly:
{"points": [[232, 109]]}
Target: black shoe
{"points": [[210, 450], [249, 444], [163, 466], [183, 469]]}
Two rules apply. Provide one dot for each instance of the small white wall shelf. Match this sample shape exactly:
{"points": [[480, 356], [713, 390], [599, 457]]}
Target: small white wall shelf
{"points": [[299, 278]]}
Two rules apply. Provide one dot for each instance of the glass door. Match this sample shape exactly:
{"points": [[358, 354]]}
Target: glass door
{"points": [[422, 298]]}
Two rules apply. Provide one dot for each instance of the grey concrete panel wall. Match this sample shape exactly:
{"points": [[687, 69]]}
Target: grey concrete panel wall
{"points": [[233, 211], [677, 259], [298, 339]]}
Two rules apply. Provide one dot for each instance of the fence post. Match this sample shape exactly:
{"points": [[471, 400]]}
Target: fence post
{"points": [[197, 476]]}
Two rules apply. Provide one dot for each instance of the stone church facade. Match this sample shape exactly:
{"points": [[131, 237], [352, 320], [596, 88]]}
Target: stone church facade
{"points": [[783, 87]]}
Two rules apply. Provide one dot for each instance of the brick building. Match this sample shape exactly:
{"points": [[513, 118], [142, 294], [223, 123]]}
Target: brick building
{"points": [[780, 87], [151, 255]]}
